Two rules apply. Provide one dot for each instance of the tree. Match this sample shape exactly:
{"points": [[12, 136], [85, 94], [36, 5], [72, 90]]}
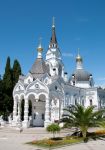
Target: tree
{"points": [[7, 89], [102, 124], [16, 71], [82, 118], [53, 128], [1, 96], [7, 78]]}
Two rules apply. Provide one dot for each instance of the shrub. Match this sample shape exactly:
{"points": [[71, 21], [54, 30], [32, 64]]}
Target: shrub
{"points": [[53, 128]]}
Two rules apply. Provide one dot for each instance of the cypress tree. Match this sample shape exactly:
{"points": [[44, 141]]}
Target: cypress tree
{"points": [[7, 89], [7, 78], [1, 96], [16, 71]]}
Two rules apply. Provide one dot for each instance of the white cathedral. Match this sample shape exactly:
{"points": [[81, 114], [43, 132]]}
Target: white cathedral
{"points": [[49, 89]]}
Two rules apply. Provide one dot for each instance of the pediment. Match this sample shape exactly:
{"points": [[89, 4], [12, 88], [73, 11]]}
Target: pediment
{"points": [[28, 79], [19, 87], [37, 85]]}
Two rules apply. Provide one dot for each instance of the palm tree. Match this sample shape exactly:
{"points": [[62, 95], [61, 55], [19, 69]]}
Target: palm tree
{"points": [[82, 118], [102, 124]]}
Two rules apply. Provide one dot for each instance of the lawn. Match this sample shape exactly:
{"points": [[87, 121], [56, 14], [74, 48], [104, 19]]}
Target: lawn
{"points": [[68, 140]]}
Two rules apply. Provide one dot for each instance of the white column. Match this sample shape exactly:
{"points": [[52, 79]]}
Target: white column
{"points": [[72, 100], [61, 109], [47, 113], [25, 122], [15, 110]]}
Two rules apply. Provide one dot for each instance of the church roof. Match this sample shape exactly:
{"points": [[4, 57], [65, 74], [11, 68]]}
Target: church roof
{"points": [[53, 41], [81, 75], [39, 68]]}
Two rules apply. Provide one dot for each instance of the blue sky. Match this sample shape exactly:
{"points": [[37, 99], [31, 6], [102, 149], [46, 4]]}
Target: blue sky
{"points": [[79, 23]]}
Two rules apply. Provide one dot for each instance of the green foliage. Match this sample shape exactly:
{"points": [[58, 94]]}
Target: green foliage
{"points": [[102, 124], [82, 118], [53, 128], [10, 78], [16, 71], [1, 96], [7, 78], [52, 143]]}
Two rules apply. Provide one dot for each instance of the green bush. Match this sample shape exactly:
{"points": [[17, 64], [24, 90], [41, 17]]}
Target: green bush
{"points": [[53, 128]]}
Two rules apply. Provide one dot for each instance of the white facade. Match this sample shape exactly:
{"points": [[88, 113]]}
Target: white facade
{"points": [[49, 90]]}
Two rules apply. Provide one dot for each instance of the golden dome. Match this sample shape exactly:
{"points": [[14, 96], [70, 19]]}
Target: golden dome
{"points": [[40, 48], [78, 58]]}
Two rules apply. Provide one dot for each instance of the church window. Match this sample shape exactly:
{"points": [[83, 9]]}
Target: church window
{"points": [[55, 87], [42, 116], [37, 86], [34, 107], [19, 87], [73, 82], [75, 101], [34, 115], [91, 102], [46, 81], [29, 81], [82, 102]]}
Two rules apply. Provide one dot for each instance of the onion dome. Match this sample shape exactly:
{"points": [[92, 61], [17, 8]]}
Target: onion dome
{"points": [[81, 75], [39, 67], [79, 58], [40, 48]]}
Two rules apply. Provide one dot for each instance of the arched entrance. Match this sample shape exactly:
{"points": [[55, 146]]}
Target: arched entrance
{"points": [[22, 109], [39, 111]]}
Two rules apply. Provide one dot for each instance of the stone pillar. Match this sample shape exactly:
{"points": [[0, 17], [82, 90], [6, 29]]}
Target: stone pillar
{"points": [[72, 100], [61, 112], [14, 113], [62, 107], [25, 122], [15, 110], [47, 113]]}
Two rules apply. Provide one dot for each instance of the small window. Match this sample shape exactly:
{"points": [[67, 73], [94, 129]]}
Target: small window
{"points": [[91, 102], [75, 101], [73, 82], [34, 115], [34, 107], [42, 116], [55, 87], [82, 102], [19, 87], [29, 81]]}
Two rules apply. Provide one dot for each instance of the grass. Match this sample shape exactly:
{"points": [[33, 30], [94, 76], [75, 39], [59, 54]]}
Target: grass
{"points": [[56, 142], [68, 140]]}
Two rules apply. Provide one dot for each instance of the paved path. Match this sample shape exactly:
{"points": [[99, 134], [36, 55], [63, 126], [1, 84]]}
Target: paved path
{"points": [[16, 141]]}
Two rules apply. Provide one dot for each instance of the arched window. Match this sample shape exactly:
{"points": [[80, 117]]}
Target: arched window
{"points": [[75, 101], [91, 102]]}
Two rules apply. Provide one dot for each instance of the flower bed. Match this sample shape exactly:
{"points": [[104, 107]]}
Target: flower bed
{"points": [[56, 142], [100, 132]]}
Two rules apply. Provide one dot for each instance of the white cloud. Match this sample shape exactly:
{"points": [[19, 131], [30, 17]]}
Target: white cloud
{"points": [[67, 55]]}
